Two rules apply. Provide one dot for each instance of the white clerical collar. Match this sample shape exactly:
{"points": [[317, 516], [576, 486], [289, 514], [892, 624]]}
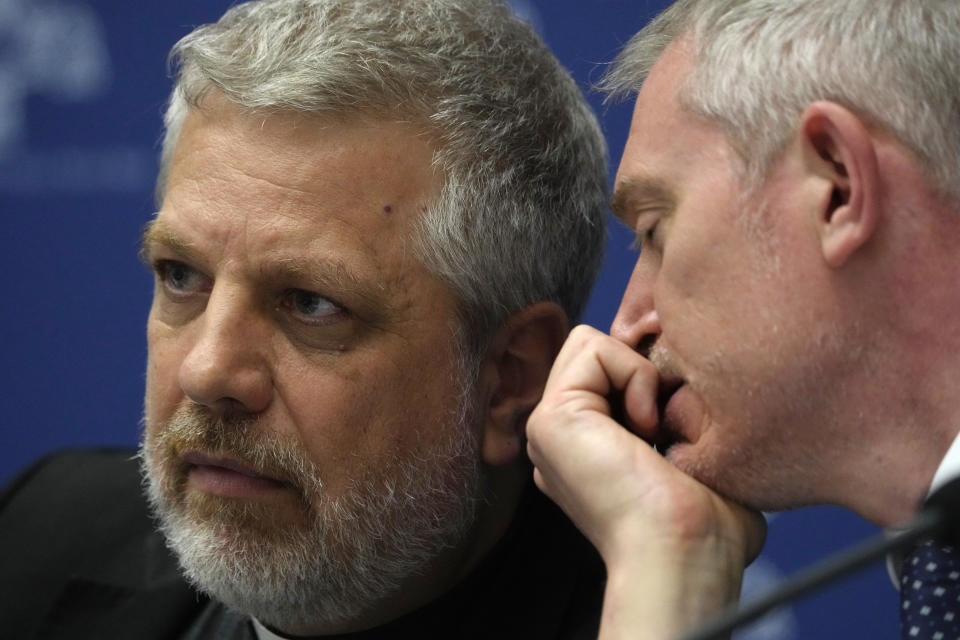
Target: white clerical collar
{"points": [[263, 633]]}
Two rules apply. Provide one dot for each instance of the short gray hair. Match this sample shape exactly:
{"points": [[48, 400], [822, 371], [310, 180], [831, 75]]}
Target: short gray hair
{"points": [[521, 215], [760, 63]]}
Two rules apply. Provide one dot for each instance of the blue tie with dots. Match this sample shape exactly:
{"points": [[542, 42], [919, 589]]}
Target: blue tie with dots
{"points": [[930, 594]]}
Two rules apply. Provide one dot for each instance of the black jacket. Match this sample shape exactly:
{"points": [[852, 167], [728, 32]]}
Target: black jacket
{"points": [[83, 560]]}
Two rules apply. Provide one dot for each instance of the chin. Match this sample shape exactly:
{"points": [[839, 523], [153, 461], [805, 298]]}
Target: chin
{"points": [[307, 562], [758, 487]]}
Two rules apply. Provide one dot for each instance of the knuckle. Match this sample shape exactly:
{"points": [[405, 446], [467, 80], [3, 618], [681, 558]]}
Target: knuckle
{"points": [[582, 334]]}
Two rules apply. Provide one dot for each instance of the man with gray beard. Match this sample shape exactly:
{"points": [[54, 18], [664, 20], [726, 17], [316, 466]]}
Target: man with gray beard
{"points": [[376, 221]]}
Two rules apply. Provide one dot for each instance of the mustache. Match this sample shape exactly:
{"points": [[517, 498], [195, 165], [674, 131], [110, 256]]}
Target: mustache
{"points": [[196, 429], [660, 358]]}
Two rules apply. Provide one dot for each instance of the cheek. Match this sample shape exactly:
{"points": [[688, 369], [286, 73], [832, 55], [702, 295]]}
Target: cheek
{"points": [[713, 281], [163, 393], [714, 321], [362, 416], [692, 292]]}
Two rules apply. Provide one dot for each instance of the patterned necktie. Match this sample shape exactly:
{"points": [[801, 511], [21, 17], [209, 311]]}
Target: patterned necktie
{"points": [[930, 594]]}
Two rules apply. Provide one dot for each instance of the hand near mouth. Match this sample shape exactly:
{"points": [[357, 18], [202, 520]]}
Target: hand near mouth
{"points": [[674, 550]]}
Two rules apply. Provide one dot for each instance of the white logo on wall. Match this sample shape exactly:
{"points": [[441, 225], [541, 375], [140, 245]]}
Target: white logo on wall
{"points": [[57, 52]]}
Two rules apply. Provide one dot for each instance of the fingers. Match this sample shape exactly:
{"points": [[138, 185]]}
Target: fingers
{"points": [[590, 368], [605, 478], [584, 460], [674, 549]]}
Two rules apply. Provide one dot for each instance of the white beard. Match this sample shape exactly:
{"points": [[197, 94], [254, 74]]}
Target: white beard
{"points": [[352, 553]]}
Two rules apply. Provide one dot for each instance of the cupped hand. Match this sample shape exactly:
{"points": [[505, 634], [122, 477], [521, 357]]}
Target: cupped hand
{"points": [[668, 541]]}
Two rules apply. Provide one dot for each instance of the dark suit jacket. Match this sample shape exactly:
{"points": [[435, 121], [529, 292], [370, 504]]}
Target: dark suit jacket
{"points": [[81, 556], [82, 560]]}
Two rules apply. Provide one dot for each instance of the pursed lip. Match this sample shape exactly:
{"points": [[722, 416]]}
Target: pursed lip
{"points": [[200, 459]]}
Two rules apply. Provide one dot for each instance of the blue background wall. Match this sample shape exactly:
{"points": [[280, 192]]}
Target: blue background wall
{"points": [[82, 86]]}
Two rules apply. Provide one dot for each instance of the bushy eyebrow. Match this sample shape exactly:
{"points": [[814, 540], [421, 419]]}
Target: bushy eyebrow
{"points": [[317, 274], [323, 274], [156, 233], [631, 193]]}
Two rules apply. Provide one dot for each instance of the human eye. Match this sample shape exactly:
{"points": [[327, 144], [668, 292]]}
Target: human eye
{"points": [[645, 235], [179, 279], [311, 308]]}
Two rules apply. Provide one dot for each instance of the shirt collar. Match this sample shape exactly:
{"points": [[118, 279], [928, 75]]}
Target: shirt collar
{"points": [[949, 467]]}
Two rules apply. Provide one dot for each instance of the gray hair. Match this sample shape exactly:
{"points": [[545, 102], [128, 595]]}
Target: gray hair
{"points": [[760, 63], [521, 215]]}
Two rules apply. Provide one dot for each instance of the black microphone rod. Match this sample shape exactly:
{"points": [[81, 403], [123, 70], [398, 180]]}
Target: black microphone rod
{"points": [[936, 520]]}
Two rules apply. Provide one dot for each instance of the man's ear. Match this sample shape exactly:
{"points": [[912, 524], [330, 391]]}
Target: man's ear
{"points": [[515, 371], [840, 150]]}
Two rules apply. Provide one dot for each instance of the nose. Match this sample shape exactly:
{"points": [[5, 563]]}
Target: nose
{"points": [[227, 367], [637, 322]]}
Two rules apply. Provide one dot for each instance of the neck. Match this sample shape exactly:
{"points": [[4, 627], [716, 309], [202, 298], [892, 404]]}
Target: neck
{"points": [[904, 401], [907, 412], [496, 509]]}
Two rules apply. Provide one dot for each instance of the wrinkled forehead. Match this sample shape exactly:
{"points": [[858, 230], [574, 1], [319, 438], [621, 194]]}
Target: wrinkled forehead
{"points": [[272, 183], [299, 130], [347, 159]]}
